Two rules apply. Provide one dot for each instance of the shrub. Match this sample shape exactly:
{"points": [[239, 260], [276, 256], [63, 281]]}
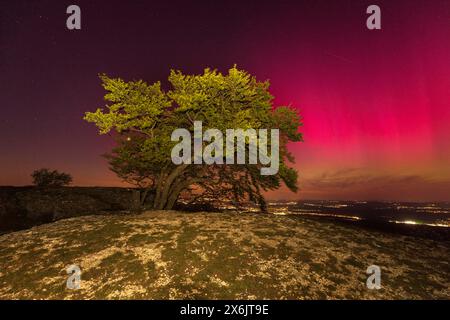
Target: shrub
{"points": [[47, 178]]}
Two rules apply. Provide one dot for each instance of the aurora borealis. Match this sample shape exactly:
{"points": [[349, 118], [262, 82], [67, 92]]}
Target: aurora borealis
{"points": [[375, 103]]}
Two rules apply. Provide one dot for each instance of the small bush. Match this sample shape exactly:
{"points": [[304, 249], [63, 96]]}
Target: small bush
{"points": [[48, 178]]}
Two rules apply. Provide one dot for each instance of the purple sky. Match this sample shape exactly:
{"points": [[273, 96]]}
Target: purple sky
{"points": [[376, 104]]}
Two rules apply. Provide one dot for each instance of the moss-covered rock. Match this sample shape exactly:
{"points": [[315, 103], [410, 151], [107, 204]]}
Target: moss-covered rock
{"points": [[22, 207], [175, 255]]}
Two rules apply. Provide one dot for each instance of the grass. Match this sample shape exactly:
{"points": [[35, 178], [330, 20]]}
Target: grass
{"points": [[174, 255]]}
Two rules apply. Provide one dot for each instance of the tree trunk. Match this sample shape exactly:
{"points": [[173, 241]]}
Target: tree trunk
{"points": [[176, 190], [164, 188], [263, 204], [135, 201], [144, 196], [159, 185]]}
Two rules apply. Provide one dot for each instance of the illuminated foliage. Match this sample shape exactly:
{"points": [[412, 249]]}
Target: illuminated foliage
{"points": [[144, 116]]}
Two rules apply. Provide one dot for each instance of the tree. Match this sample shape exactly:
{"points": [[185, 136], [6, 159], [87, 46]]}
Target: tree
{"points": [[143, 117], [47, 178]]}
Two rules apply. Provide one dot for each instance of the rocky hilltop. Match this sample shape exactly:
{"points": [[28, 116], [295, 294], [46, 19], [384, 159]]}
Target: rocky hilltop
{"points": [[176, 255], [24, 207]]}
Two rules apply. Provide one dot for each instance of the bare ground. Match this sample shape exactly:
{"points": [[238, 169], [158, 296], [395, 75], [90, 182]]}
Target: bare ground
{"points": [[174, 255]]}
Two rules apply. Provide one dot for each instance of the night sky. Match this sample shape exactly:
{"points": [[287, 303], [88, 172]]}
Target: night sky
{"points": [[376, 104]]}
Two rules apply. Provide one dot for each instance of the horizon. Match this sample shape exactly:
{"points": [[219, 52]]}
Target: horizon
{"points": [[268, 199]]}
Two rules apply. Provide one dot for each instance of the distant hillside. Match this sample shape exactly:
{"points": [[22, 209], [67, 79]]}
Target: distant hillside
{"points": [[175, 255], [23, 207]]}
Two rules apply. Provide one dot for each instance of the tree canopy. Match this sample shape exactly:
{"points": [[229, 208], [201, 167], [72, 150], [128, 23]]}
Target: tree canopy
{"points": [[143, 117]]}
